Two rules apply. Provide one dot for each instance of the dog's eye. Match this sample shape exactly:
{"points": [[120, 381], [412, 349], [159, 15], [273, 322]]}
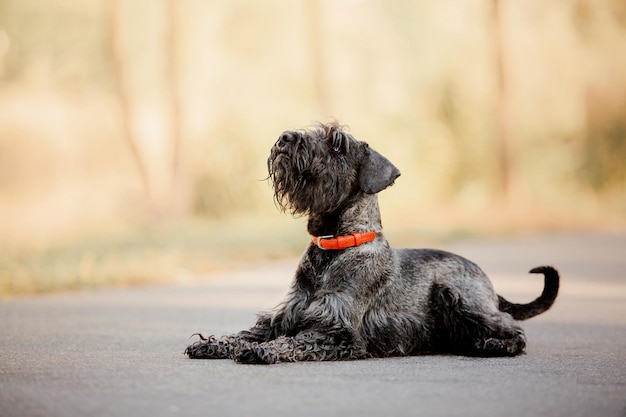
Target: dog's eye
{"points": [[337, 149]]}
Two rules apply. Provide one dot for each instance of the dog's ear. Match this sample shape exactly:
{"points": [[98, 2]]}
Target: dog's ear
{"points": [[377, 172]]}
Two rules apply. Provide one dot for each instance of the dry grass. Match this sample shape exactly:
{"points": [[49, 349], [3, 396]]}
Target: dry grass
{"points": [[163, 254], [189, 250]]}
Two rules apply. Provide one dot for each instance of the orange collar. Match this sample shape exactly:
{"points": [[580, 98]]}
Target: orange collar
{"points": [[343, 242]]}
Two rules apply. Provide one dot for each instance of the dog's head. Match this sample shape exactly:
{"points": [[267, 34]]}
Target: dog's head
{"points": [[318, 170]]}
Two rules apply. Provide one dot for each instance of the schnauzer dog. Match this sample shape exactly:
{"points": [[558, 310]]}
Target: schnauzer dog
{"points": [[355, 297]]}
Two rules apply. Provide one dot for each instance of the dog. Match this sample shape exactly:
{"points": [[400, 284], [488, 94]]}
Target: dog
{"points": [[355, 297]]}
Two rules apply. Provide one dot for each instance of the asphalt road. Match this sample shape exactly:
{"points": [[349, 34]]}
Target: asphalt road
{"points": [[119, 352]]}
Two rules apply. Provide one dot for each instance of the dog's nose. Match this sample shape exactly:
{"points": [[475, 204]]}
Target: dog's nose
{"points": [[287, 137]]}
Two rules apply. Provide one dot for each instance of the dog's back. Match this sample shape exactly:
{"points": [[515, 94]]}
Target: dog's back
{"points": [[474, 288], [439, 301]]}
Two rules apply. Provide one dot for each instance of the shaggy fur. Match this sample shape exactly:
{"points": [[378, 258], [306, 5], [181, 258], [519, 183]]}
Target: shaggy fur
{"points": [[371, 300]]}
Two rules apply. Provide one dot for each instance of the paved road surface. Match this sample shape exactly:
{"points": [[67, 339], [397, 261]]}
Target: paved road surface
{"points": [[118, 352]]}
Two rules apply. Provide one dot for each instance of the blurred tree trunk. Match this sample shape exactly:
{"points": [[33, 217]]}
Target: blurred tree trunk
{"points": [[173, 94], [123, 93], [502, 110], [315, 37]]}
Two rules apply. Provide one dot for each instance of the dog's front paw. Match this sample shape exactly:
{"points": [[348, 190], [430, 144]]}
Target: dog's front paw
{"points": [[203, 348], [256, 355], [208, 348]]}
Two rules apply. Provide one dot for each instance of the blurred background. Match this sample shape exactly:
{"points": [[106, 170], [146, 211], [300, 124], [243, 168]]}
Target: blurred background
{"points": [[134, 134]]}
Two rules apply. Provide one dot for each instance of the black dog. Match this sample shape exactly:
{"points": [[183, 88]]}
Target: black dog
{"points": [[353, 296]]}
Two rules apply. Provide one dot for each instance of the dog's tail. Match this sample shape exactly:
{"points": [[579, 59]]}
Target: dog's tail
{"points": [[542, 303]]}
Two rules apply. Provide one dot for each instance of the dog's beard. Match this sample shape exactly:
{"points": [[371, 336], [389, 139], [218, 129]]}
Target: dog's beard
{"points": [[300, 189]]}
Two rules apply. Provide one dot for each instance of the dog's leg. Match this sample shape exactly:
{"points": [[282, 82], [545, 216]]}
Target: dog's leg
{"points": [[226, 346], [468, 331], [310, 345], [497, 335]]}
